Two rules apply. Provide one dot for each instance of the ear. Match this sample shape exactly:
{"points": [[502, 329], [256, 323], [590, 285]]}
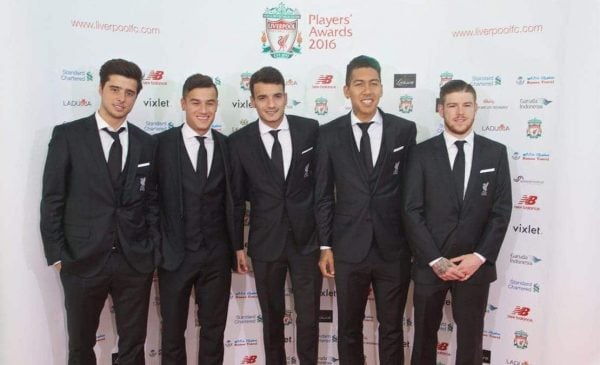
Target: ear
{"points": [[182, 103], [346, 91], [440, 110]]}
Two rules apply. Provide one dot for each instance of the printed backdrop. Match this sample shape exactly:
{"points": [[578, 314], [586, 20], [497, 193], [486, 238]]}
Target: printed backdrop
{"points": [[534, 65]]}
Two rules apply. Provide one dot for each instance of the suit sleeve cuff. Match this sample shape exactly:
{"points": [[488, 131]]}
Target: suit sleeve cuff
{"points": [[435, 261], [483, 260]]}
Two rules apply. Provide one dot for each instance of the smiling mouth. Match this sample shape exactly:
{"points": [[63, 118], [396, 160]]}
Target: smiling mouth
{"points": [[368, 101]]}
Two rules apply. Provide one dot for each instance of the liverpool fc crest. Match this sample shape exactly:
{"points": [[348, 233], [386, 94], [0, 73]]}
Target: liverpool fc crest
{"points": [[321, 107], [406, 104], [534, 128], [281, 37], [520, 340]]}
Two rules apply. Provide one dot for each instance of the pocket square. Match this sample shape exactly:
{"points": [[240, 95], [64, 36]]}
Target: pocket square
{"points": [[487, 170], [306, 150], [398, 149], [144, 164]]}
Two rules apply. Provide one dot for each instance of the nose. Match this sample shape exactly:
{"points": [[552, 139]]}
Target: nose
{"points": [[121, 95], [367, 89]]}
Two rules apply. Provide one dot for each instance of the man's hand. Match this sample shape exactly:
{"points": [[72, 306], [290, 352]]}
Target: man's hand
{"points": [[58, 266], [326, 263], [241, 262], [467, 265], [446, 270]]}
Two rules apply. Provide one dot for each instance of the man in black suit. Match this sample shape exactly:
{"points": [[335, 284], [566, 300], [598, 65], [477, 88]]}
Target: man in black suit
{"points": [[99, 217], [457, 206], [196, 218], [272, 167], [360, 166]]}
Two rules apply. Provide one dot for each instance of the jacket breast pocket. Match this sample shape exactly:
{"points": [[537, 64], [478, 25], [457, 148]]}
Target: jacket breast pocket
{"points": [[305, 161], [486, 182]]}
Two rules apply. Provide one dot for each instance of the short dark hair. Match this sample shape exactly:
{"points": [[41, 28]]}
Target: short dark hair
{"points": [[453, 86], [198, 81], [267, 75], [361, 62], [118, 66]]}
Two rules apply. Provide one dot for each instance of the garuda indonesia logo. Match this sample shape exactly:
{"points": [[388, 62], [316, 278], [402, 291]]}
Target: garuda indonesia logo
{"points": [[321, 107], [406, 104], [281, 32]]}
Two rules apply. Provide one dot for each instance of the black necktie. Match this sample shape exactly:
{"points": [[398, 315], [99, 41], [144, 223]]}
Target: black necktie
{"points": [[277, 154], [459, 169], [365, 146], [201, 163], [115, 154]]}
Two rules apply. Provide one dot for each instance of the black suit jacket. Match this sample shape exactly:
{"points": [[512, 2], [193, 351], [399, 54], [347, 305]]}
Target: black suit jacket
{"points": [[435, 223], [350, 212], [81, 216], [169, 162], [255, 180]]}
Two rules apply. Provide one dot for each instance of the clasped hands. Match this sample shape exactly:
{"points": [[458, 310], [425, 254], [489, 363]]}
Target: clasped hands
{"points": [[459, 268]]}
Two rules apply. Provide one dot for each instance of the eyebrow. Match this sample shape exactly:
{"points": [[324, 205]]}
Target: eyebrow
{"points": [[364, 80]]}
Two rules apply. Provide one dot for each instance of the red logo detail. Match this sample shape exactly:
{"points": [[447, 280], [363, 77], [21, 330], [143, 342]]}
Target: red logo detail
{"points": [[155, 75], [528, 200], [442, 346], [249, 359], [324, 80], [521, 311]]}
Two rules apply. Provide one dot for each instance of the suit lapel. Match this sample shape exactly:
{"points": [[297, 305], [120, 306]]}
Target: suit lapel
{"points": [[133, 156], [295, 138], [220, 149], [476, 166], [386, 135], [92, 140], [177, 175]]}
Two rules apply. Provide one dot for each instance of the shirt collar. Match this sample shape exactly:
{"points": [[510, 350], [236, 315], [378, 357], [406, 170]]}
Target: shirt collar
{"points": [[189, 133], [377, 118], [450, 139], [263, 128], [101, 123]]}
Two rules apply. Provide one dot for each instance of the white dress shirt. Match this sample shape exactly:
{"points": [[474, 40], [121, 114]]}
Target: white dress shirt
{"points": [[107, 140], [284, 137], [453, 150], [192, 145], [375, 133]]}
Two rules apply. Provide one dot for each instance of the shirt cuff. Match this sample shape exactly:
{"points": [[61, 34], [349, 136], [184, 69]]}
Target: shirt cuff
{"points": [[325, 248], [483, 260], [57, 262], [435, 261]]}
